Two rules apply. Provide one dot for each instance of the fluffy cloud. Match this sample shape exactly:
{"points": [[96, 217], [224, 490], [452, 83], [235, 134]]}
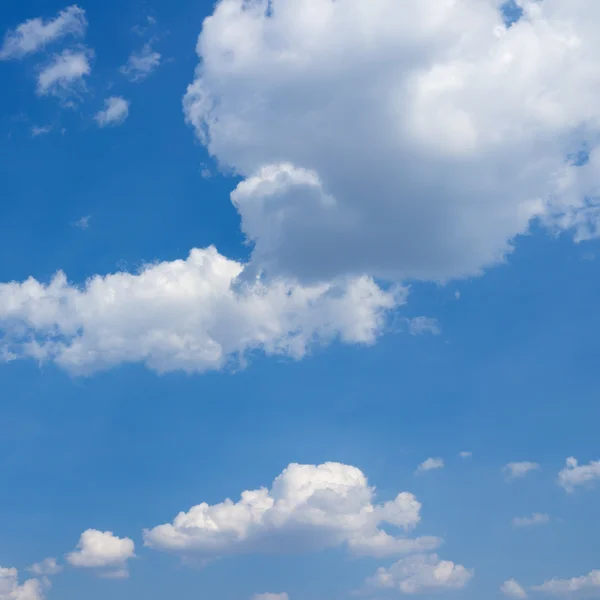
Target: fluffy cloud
{"points": [[534, 519], [513, 589], [518, 470], [141, 64], [283, 596], [103, 550], [35, 34], [64, 74], [421, 573], [190, 315], [431, 464], [400, 139], [116, 110], [47, 567], [308, 507], [465, 454], [585, 584], [32, 589], [574, 474]]}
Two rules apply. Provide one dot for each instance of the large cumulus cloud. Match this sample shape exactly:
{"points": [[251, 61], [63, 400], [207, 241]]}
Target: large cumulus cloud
{"points": [[400, 139]]}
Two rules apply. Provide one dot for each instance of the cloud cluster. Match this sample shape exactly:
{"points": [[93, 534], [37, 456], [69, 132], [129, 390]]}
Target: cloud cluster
{"points": [[32, 589], [308, 507], [399, 139], [189, 315], [421, 573], [35, 34], [63, 74], [116, 111], [574, 474], [282, 596], [103, 550]]}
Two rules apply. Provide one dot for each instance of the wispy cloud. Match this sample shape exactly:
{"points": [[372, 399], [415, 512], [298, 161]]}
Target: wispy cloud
{"points": [[116, 111], [423, 325], [513, 589], [430, 465], [38, 131], [35, 34], [83, 223], [534, 519], [142, 63], [518, 470], [64, 74]]}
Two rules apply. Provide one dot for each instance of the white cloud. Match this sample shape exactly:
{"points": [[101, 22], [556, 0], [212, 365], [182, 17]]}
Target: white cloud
{"points": [[32, 589], [64, 75], [35, 34], [83, 222], [190, 315], [38, 131], [574, 474], [423, 325], [103, 550], [513, 589], [534, 519], [399, 140], [583, 585], [283, 596], [465, 454], [116, 110], [431, 464], [141, 64], [47, 567], [308, 507], [518, 470], [421, 573]]}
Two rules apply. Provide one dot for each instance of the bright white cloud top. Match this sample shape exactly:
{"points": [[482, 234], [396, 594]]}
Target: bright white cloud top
{"points": [[400, 139], [576, 475], [519, 470], [35, 34], [103, 550], [308, 507], [10, 589], [116, 111], [184, 315], [282, 596], [64, 75], [421, 573]]}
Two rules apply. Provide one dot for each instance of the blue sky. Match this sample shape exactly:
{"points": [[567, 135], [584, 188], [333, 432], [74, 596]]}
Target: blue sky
{"points": [[406, 269]]}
